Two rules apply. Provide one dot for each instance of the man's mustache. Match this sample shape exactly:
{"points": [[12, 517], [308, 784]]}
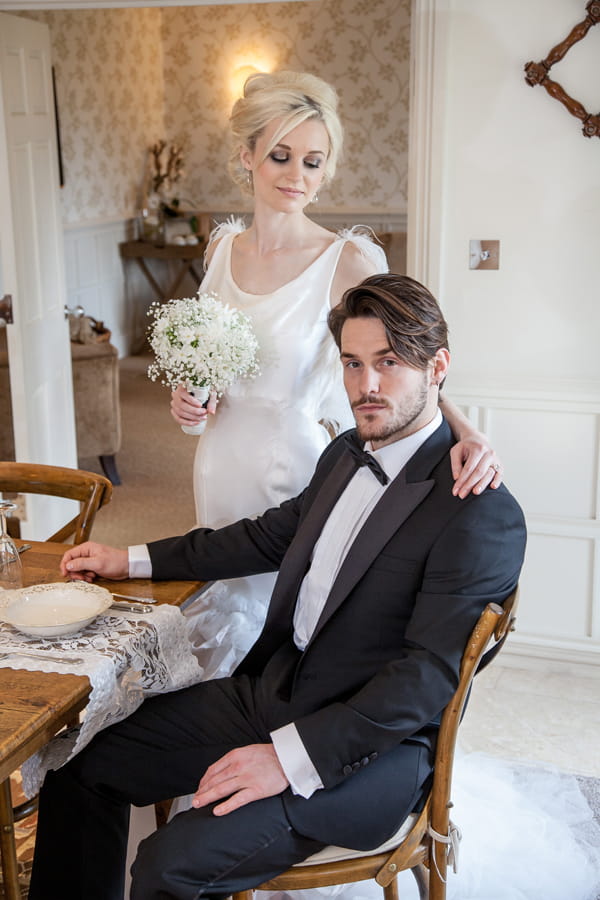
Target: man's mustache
{"points": [[370, 398]]}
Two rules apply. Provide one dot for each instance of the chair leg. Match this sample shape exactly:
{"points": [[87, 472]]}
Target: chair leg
{"points": [[8, 849], [437, 877], [109, 467], [390, 891], [422, 878]]}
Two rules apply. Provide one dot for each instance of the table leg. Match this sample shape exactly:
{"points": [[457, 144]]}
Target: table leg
{"points": [[186, 265], [151, 279], [195, 275], [8, 849]]}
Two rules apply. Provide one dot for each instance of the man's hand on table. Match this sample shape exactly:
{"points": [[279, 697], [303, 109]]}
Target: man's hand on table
{"points": [[85, 561], [243, 775]]}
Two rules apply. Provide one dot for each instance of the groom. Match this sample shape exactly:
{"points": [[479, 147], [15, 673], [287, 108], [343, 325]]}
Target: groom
{"points": [[324, 735]]}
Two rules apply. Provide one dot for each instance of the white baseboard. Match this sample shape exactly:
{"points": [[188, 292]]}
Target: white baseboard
{"points": [[546, 657]]}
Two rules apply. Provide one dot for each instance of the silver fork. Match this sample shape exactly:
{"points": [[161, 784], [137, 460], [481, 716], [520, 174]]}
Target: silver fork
{"points": [[73, 660]]}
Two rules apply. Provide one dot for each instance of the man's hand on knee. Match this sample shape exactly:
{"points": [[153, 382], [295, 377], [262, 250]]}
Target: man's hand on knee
{"points": [[243, 775]]}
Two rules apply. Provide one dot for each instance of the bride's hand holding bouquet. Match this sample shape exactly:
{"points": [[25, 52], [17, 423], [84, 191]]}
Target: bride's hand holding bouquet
{"points": [[201, 347]]}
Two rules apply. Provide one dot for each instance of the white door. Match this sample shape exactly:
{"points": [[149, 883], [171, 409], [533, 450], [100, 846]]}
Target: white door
{"points": [[32, 262]]}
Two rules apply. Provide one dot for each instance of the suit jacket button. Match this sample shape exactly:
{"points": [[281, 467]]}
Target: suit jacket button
{"points": [[347, 770], [355, 766], [365, 761], [373, 756]]}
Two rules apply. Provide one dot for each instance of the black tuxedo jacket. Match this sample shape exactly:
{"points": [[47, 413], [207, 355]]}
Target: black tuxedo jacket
{"points": [[384, 658]]}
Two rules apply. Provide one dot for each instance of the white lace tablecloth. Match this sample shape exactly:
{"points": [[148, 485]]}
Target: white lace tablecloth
{"points": [[127, 656]]}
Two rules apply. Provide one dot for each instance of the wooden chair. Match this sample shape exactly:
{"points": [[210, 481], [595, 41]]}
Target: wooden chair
{"points": [[92, 491], [425, 842]]}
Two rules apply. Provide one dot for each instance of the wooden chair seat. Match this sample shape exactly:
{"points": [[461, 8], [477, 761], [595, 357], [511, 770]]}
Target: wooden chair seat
{"points": [[425, 842]]}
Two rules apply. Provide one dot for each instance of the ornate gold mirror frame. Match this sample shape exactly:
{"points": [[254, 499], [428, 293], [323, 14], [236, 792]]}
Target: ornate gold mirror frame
{"points": [[537, 73]]}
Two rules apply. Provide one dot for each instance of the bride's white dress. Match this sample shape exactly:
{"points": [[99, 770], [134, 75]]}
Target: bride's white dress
{"points": [[262, 445]]}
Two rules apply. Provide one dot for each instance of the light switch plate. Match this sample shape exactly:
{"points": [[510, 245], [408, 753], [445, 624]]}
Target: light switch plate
{"points": [[484, 254]]}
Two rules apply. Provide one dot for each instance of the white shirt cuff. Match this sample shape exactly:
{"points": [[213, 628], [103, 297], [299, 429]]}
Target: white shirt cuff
{"points": [[140, 565], [295, 761]]}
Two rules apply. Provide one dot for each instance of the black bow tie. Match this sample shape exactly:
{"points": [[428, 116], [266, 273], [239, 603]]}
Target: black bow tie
{"points": [[363, 458]]}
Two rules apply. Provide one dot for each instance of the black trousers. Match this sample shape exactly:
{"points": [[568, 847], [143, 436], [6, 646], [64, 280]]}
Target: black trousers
{"points": [[161, 751]]}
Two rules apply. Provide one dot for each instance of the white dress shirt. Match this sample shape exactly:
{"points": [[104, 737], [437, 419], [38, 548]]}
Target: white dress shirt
{"points": [[347, 517]]}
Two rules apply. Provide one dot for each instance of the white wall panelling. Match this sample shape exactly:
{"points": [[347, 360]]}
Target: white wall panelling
{"points": [[95, 278], [485, 150], [548, 440]]}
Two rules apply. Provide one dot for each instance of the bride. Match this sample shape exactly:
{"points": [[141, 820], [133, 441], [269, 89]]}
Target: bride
{"points": [[285, 271]]}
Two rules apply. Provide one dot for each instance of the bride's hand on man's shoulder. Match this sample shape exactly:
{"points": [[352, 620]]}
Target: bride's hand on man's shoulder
{"points": [[187, 410], [475, 466]]}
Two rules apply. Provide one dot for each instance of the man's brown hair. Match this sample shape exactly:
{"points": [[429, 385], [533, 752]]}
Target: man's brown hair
{"points": [[413, 322]]}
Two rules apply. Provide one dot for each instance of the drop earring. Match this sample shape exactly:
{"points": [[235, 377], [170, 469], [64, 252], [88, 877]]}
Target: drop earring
{"points": [[249, 178], [315, 198]]}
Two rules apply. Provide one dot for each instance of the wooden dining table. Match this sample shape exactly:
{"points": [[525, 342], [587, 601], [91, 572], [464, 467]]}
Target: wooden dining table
{"points": [[35, 705], [41, 565]]}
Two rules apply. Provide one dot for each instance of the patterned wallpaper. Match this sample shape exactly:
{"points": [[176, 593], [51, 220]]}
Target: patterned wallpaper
{"points": [[360, 46], [109, 85], [126, 78]]}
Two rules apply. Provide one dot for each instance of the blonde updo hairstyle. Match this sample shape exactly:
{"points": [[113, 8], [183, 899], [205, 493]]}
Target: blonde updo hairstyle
{"points": [[292, 97]]}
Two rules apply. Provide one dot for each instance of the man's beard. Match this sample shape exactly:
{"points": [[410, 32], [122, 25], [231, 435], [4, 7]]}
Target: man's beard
{"points": [[399, 424]]}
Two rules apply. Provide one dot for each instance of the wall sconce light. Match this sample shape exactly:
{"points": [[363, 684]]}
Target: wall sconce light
{"points": [[239, 76]]}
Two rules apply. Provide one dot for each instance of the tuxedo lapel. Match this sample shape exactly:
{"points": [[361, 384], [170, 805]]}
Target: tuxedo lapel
{"points": [[401, 498], [298, 555]]}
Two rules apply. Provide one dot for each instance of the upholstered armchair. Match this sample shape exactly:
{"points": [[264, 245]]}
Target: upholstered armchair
{"points": [[96, 398]]}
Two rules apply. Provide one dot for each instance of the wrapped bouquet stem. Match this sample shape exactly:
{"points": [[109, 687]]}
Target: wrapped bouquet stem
{"points": [[202, 343], [202, 394]]}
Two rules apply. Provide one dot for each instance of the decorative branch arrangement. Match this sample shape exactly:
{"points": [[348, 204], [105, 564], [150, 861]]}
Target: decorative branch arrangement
{"points": [[537, 73], [166, 166]]}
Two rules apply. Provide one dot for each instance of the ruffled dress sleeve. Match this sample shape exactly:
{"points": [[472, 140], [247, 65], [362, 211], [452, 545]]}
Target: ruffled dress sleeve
{"points": [[365, 240], [232, 225]]}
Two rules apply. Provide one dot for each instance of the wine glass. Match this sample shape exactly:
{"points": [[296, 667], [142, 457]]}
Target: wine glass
{"points": [[11, 571]]}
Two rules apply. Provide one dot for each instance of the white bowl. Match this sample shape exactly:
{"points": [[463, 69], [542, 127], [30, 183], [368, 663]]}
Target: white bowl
{"points": [[53, 610]]}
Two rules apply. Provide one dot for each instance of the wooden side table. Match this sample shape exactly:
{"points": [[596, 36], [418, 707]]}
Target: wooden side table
{"points": [[187, 255]]}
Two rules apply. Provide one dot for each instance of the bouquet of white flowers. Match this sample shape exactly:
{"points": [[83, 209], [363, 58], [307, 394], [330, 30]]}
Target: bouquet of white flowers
{"points": [[202, 343]]}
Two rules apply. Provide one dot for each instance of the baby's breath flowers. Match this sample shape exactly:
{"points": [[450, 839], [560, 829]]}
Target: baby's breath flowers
{"points": [[201, 342]]}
